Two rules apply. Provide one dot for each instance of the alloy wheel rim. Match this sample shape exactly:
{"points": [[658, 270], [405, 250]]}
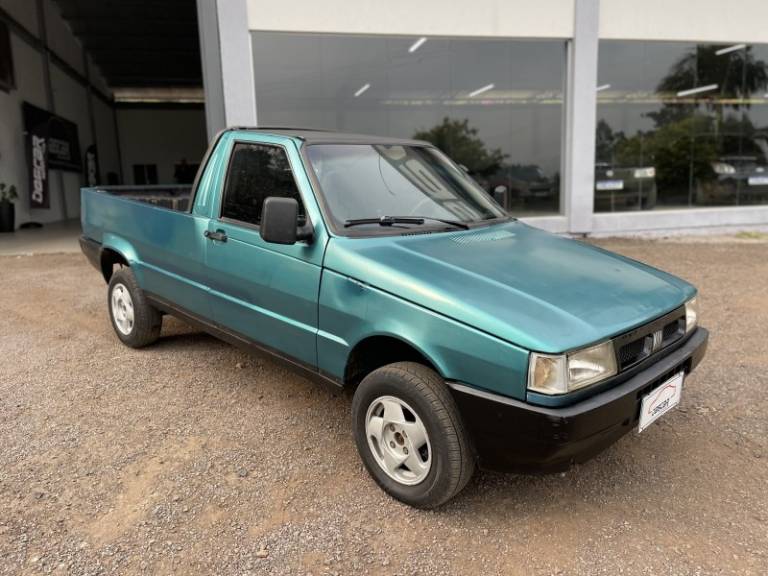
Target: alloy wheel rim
{"points": [[398, 440], [122, 309]]}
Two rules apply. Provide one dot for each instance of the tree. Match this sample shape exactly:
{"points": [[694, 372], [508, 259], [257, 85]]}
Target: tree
{"points": [[687, 138], [459, 141], [606, 142], [737, 74], [675, 151]]}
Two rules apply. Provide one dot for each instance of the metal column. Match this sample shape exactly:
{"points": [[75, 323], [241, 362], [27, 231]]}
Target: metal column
{"points": [[580, 117]]}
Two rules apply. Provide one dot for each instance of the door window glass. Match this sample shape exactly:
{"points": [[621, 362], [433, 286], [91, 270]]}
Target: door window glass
{"points": [[256, 172]]}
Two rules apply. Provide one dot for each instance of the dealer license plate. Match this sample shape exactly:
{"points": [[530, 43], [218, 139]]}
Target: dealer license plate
{"points": [[610, 184], [660, 400], [758, 180]]}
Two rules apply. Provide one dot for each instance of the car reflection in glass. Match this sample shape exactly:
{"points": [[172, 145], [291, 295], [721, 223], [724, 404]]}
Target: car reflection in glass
{"points": [[735, 179], [624, 187], [524, 187]]}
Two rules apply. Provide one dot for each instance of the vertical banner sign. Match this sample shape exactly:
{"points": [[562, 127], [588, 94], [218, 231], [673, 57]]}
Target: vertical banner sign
{"points": [[39, 174], [37, 160], [52, 142]]}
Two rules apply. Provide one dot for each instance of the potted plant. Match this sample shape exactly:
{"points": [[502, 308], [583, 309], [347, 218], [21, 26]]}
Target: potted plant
{"points": [[7, 213]]}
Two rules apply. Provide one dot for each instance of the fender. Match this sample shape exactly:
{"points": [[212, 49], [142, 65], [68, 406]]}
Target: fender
{"points": [[351, 311], [429, 355], [121, 246], [125, 249]]}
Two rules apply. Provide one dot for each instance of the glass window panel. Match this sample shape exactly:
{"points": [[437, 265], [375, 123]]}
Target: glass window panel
{"points": [[257, 172], [493, 105], [681, 125]]}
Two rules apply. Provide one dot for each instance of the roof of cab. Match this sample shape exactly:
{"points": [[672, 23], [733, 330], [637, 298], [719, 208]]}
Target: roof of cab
{"points": [[316, 136]]}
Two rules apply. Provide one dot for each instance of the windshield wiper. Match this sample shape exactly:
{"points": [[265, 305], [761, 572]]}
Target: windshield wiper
{"points": [[390, 220]]}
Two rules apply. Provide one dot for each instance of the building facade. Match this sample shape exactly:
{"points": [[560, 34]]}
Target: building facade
{"points": [[45, 66], [580, 116]]}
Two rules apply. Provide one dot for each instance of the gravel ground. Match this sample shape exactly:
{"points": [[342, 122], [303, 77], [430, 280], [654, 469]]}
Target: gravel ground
{"points": [[192, 457]]}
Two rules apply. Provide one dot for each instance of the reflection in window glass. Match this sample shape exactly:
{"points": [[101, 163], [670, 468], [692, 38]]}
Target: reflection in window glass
{"points": [[413, 181], [494, 106], [256, 172], [681, 125]]}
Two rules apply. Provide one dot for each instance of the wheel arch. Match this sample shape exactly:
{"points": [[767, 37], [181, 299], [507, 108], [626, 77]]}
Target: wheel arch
{"points": [[377, 350], [108, 259], [115, 251]]}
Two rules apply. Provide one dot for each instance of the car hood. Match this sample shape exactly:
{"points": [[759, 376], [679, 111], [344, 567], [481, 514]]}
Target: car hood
{"points": [[528, 287]]}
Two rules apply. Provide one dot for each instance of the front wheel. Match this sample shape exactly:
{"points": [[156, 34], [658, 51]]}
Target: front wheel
{"points": [[410, 435]]}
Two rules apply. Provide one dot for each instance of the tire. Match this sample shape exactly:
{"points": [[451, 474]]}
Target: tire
{"points": [[445, 452], [134, 320]]}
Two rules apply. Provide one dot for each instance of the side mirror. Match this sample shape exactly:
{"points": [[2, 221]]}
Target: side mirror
{"points": [[500, 195], [280, 222]]}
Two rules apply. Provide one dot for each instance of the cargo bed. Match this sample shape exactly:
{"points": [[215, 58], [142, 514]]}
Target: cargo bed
{"points": [[172, 196]]}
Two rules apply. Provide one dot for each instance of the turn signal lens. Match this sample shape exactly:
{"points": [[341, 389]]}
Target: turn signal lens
{"points": [[691, 314], [546, 374]]}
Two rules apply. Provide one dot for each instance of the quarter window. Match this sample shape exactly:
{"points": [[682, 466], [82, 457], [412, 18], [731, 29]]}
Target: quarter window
{"points": [[256, 172]]}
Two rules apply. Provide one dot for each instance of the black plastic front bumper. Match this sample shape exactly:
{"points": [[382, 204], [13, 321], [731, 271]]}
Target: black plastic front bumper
{"points": [[511, 435]]}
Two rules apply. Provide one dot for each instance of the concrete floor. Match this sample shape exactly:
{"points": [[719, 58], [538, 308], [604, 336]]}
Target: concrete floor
{"points": [[192, 457], [58, 237]]}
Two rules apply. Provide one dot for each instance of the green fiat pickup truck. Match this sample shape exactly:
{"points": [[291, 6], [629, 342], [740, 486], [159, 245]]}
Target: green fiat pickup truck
{"points": [[378, 265]]}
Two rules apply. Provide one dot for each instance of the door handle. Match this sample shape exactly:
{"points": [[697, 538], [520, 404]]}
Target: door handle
{"points": [[219, 235]]}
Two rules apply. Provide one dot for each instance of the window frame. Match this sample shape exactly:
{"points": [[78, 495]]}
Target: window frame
{"points": [[221, 218]]}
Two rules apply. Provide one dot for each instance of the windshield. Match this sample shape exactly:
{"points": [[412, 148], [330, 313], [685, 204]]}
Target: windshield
{"points": [[360, 181]]}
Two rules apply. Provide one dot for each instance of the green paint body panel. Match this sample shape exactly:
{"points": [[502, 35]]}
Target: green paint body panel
{"points": [[528, 287], [473, 302]]}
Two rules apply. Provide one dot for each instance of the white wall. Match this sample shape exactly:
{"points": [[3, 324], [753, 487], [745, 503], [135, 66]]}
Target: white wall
{"points": [[685, 20], [696, 20], [70, 102], [60, 37], [160, 136], [518, 18], [106, 143], [29, 87], [24, 12]]}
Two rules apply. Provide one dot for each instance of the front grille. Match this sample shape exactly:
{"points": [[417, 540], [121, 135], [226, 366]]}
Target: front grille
{"points": [[641, 343], [630, 353], [674, 330]]}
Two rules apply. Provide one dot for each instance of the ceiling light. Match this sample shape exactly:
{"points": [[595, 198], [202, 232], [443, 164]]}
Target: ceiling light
{"points": [[159, 94], [416, 45], [699, 90], [362, 89], [482, 90], [603, 87], [730, 49]]}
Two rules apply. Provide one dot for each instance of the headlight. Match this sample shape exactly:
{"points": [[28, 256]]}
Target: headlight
{"points": [[691, 314], [645, 172], [723, 168], [564, 373]]}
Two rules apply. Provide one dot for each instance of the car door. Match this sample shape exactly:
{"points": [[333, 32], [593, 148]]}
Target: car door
{"points": [[264, 292]]}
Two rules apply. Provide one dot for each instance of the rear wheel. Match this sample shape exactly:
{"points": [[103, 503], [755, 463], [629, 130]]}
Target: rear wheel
{"points": [[410, 436], [134, 320]]}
